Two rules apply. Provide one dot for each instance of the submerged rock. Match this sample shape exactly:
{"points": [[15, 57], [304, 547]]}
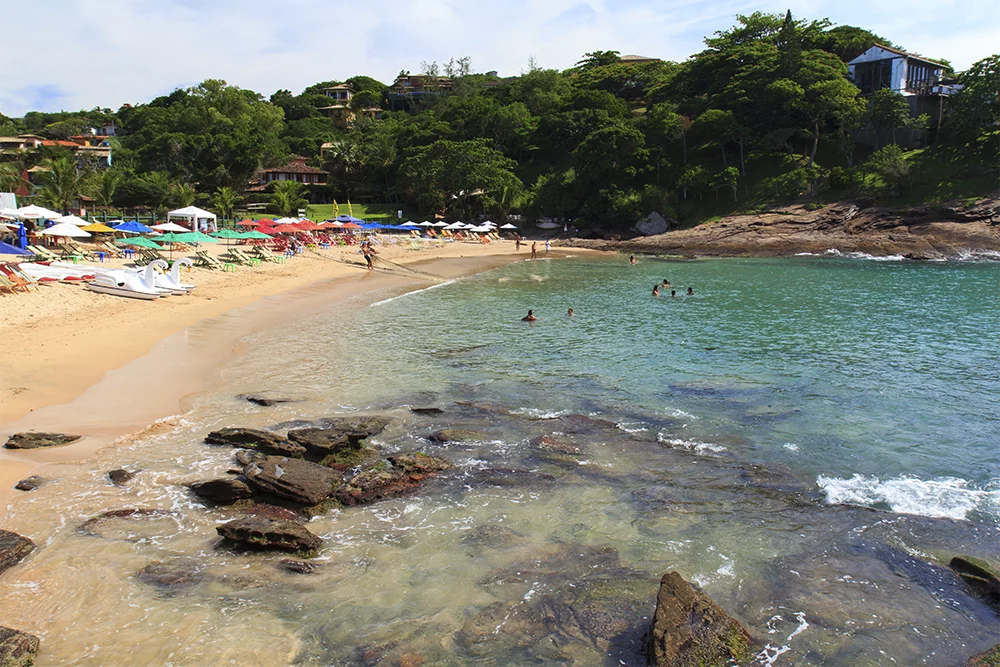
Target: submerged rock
{"points": [[250, 438], [492, 536], [13, 549], [300, 481], [37, 440], [298, 566], [30, 483], [221, 491], [17, 649], [979, 575], [262, 533], [124, 524], [355, 429], [169, 576], [121, 477], [266, 401], [690, 630], [401, 474], [456, 435], [584, 424], [427, 412], [419, 465]]}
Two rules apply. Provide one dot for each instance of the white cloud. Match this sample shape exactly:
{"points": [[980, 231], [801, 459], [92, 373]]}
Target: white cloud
{"points": [[75, 54]]}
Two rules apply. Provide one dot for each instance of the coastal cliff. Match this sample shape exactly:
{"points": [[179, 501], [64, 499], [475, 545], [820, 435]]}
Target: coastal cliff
{"points": [[951, 230]]}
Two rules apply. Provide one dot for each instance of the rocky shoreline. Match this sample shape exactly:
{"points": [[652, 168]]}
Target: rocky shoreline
{"points": [[955, 230], [289, 473]]}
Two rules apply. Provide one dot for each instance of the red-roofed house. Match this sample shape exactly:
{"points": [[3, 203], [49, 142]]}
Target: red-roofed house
{"points": [[295, 169]]}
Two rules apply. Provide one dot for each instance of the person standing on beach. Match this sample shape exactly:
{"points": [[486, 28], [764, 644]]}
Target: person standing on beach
{"points": [[369, 253], [517, 243], [534, 249], [548, 246]]}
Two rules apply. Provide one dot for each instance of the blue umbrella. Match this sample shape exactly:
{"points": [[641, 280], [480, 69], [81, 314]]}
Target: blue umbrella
{"points": [[22, 236], [8, 249], [133, 227]]}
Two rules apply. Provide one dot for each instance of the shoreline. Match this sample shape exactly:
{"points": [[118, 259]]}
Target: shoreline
{"points": [[170, 355]]}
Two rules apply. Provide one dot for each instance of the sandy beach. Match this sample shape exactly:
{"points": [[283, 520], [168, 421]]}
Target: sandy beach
{"points": [[105, 367]]}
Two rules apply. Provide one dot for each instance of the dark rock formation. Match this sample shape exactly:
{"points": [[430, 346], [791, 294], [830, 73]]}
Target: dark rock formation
{"points": [[456, 435], [13, 548], [990, 658], [293, 479], [402, 475], [584, 424], [266, 401], [250, 438], [419, 465], [355, 429], [221, 491], [121, 477], [36, 440], [690, 630], [427, 412], [169, 576], [30, 483], [262, 533], [247, 456], [17, 649], [298, 566], [979, 575], [274, 512]]}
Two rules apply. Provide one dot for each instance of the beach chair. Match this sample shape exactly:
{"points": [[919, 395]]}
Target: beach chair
{"points": [[151, 254], [202, 258], [80, 250], [6, 286], [266, 255], [238, 256], [18, 279], [111, 249], [43, 254]]}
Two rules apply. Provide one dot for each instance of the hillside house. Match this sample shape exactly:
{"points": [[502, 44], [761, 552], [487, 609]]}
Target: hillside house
{"points": [[340, 94], [295, 169]]}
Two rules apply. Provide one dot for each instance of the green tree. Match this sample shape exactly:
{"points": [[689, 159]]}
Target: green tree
{"points": [[887, 112], [287, 199], [10, 177], [184, 195], [889, 163], [61, 184], [225, 200], [977, 105], [104, 185], [598, 59], [609, 155]]}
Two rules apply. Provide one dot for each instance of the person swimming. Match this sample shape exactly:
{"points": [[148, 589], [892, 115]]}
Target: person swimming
{"points": [[530, 317], [690, 291], [673, 292], [666, 283], [570, 312], [656, 290], [631, 259]]}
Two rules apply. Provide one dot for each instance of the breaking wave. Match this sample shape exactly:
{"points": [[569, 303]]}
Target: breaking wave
{"points": [[949, 497]]}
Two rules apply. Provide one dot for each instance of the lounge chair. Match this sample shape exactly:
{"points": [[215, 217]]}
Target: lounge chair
{"points": [[266, 255], [240, 257], [21, 281], [6, 285], [43, 254], [207, 261]]}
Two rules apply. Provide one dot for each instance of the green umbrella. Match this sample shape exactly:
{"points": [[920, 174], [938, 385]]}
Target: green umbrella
{"points": [[254, 234], [195, 237], [140, 241], [227, 234]]}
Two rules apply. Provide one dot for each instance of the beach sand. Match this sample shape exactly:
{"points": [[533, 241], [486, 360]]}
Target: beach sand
{"points": [[104, 367]]}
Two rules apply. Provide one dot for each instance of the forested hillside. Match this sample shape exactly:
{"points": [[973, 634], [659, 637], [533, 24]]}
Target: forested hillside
{"points": [[765, 114]]}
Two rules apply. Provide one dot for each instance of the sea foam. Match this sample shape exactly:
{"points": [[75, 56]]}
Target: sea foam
{"points": [[949, 497]]}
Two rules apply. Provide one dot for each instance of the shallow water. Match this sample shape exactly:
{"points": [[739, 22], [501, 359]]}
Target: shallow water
{"points": [[736, 419]]}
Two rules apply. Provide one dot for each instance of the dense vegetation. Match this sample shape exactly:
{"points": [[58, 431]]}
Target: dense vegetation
{"points": [[765, 114]]}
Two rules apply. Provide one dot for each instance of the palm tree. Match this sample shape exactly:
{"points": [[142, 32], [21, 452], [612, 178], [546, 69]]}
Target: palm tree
{"points": [[184, 194], [61, 183], [104, 186], [225, 200], [287, 198], [10, 177]]}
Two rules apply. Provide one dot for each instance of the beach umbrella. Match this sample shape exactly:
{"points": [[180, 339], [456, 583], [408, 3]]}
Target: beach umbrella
{"points": [[248, 223], [409, 223], [132, 227], [36, 213], [488, 223], [196, 237], [440, 223], [508, 226], [255, 234], [8, 249], [140, 241], [171, 227], [228, 234], [10, 213], [72, 219], [65, 229], [453, 226], [5, 228], [425, 223], [285, 221], [98, 228]]}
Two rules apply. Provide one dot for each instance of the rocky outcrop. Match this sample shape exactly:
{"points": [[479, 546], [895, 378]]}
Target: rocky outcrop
{"points": [[456, 435], [13, 549], [981, 576], [262, 533], [251, 438], [990, 658], [265, 400], [17, 649], [38, 440], [401, 475], [653, 224], [355, 429], [221, 491], [30, 483], [121, 477], [584, 424], [690, 630], [296, 480]]}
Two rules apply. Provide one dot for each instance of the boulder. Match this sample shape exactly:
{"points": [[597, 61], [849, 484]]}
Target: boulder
{"points": [[300, 481], [221, 491], [13, 549], [121, 477], [247, 456], [427, 412], [979, 575], [133, 524], [266, 511], [262, 533], [30, 483], [266, 401], [402, 474], [653, 224], [690, 630], [17, 649], [456, 435], [37, 440], [251, 438], [419, 465], [355, 429], [298, 566]]}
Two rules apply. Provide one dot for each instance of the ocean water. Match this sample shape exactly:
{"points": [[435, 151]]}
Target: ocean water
{"points": [[809, 439]]}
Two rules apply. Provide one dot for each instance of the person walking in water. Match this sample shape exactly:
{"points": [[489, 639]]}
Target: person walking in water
{"points": [[534, 249], [530, 317]]}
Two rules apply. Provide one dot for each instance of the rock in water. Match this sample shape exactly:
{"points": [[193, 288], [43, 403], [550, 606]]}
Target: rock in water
{"points": [[169, 576], [356, 429], [456, 435], [419, 465], [989, 658], [221, 491], [251, 438], [979, 575], [690, 630], [30, 483], [266, 401], [36, 440], [293, 479], [298, 566], [17, 649], [121, 477], [427, 412], [262, 533], [385, 481], [13, 548]]}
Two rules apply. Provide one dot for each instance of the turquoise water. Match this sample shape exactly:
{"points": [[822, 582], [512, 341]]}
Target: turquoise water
{"points": [[810, 440]]}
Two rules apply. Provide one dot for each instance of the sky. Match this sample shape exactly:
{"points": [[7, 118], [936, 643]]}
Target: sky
{"points": [[81, 54]]}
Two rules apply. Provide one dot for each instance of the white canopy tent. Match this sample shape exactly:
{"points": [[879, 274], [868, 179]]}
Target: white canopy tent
{"points": [[440, 223], [195, 219]]}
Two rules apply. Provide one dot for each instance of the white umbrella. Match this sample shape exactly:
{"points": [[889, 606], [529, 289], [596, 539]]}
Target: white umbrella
{"points": [[71, 219], [65, 229], [285, 221], [481, 229], [440, 223], [489, 223], [36, 212], [426, 224], [8, 213], [454, 225], [170, 227], [409, 223], [508, 226]]}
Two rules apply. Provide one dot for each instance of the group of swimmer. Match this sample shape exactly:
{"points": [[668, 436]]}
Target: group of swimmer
{"points": [[666, 284]]}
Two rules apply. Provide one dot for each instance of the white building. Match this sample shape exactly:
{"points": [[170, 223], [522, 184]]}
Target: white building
{"points": [[904, 73]]}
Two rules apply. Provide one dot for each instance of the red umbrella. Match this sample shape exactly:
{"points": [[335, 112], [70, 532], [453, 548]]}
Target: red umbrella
{"points": [[248, 223]]}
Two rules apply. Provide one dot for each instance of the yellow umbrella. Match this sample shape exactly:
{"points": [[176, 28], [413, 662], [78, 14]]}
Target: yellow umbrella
{"points": [[97, 227]]}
